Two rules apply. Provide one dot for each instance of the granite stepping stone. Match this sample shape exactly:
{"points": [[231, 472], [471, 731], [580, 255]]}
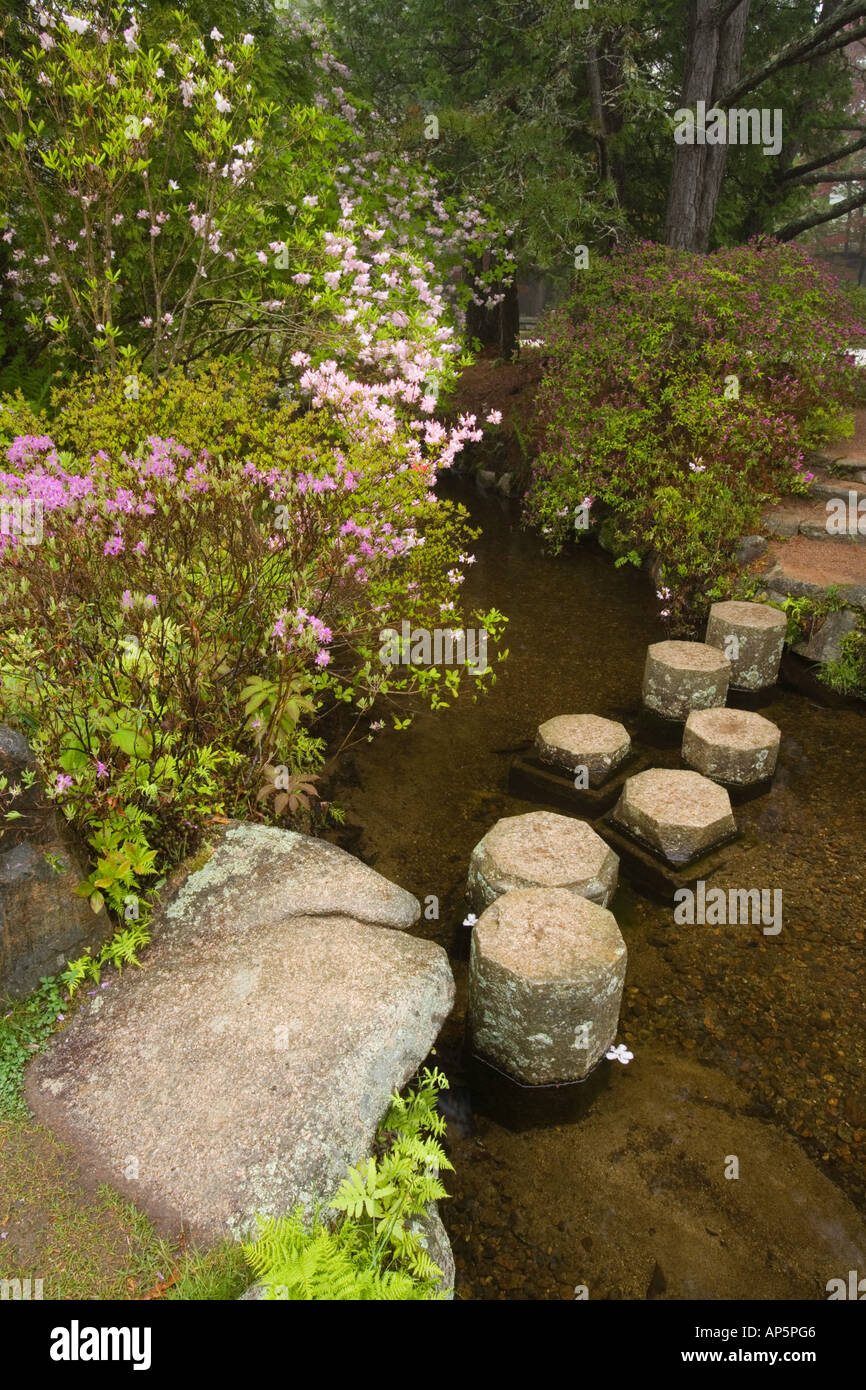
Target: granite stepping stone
{"points": [[736, 746], [682, 676], [570, 741], [546, 974], [752, 635], [678, 813], [542, 849]]}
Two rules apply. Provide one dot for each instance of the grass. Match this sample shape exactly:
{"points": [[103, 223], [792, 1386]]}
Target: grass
{"points": [[93, 1245]]}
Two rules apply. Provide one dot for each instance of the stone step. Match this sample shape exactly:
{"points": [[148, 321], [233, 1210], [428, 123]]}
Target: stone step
{"points": [[817, 531], [813, 519], [826, 488], [784, 519], [850, 468], [806, 568]]}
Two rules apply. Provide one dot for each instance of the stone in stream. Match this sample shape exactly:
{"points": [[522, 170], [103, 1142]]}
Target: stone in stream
{"points": [[542, 849], [682, 676], [826, 643], [43, 921], [731, 745], [570, 741], [752, 635], [546, 972], [252, 1059], [678, 813]]}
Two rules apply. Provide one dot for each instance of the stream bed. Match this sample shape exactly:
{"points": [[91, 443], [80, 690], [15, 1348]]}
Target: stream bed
{"points": [[746, 1046]]}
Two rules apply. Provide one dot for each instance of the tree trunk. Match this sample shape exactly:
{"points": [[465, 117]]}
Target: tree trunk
{"points": [[498, 327], [714, 54]]}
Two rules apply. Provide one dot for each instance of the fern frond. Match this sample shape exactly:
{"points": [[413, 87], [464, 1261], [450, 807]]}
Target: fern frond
{"points": [[374, 1248]]}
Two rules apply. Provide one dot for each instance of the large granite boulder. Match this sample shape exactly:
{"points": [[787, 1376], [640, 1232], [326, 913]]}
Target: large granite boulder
{"points": [[252, 1059], [258, 868]]}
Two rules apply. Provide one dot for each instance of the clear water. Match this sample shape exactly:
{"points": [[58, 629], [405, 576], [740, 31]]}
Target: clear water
{"points": [[745, 1045]]}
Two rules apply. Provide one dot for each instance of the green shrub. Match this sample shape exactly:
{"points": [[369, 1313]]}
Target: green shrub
{"points": [[25, 1027], [215, 571], [847, 675], [680, 395]]}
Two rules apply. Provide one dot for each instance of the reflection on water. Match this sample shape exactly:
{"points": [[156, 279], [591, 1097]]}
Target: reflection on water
{"points": [[744, 1044]]}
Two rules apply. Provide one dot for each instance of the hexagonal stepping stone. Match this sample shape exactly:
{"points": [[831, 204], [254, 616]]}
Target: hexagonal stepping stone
{"points": [[731, 745], [570, 741], [752, 635], [681, 676], [677, 813], [542, 849], [546, 972]]}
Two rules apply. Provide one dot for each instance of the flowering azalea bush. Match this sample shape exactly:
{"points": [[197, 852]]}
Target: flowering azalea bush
{"points": [[139, 175], [238, 498], [681, 394], [205, 605], [162, 209]]}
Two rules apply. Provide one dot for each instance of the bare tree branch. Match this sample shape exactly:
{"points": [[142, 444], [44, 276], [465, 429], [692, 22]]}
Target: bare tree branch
{"points": [[799, 50], [815, 219], [798, 172], [833, 178]]}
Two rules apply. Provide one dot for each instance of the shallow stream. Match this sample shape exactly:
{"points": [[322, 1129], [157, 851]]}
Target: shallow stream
{"points": [[746, 1046]]}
